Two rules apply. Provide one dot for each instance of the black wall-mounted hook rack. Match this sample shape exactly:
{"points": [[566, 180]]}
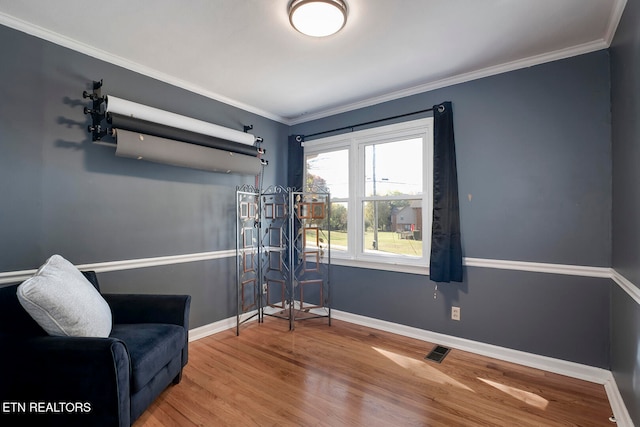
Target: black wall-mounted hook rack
{"points": [[96, 112]]}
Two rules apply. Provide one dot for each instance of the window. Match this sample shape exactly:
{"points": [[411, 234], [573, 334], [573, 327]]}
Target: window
{"points": [[380, 184]]}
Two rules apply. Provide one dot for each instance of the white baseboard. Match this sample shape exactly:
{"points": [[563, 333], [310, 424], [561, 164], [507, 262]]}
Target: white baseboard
{"points": [[571, 369], [574, 370], [618, 406], [549, 364], [216, 327]]}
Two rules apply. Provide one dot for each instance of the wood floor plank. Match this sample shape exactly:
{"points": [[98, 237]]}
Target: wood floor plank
{"points": [[350, 375]]}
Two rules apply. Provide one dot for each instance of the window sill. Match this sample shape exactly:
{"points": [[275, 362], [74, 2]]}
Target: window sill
{"points": [[385, 266]]}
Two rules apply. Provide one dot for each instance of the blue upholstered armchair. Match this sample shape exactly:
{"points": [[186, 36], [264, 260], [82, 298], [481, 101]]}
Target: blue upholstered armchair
{"points": [[79, 381]]}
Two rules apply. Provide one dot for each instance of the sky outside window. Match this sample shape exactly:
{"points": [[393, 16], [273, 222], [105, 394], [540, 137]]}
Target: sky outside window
{"points": [[398, 168], [332, 168]]}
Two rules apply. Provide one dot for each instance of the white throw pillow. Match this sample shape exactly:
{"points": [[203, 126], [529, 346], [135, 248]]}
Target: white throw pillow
{"points": [[64, 302]]}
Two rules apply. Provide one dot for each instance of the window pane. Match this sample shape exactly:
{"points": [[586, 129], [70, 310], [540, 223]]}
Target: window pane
{"points": [[330, 170], [399, 229], [394, 168], [315, 236], [338, 225]]}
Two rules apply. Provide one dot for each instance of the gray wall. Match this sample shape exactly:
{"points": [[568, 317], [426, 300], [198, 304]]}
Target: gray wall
{"points": [[533, 151], [625, 103], [63, 194], [533, 312]]}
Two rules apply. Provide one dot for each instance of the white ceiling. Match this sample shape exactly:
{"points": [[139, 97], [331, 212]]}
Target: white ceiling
{"points": [[245, 53]]}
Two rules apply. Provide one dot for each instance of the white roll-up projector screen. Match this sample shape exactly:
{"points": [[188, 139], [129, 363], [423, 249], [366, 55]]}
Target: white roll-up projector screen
{"points": [[161, 150], [151, 114]]}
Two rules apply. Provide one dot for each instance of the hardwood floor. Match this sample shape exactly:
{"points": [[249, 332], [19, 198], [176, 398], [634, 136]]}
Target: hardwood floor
{"points": [[349, 375]]}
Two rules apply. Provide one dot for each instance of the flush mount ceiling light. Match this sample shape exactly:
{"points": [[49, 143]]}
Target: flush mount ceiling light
{"points": [[318, 18]]}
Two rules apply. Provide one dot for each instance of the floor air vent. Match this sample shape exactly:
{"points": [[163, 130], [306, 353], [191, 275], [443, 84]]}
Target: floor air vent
{"points": [[438, 354]]}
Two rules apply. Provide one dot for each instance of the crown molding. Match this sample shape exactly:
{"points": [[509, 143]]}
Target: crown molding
{"points": [[84, 48], [460, 78], [78, 46]]}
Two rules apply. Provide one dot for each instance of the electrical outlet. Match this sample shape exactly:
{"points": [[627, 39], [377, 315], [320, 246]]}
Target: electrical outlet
{"points": [[455, 313], [264, 288]]}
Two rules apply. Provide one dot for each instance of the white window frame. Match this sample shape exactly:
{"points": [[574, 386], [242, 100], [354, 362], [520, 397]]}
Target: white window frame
{"points": [[355, 143]]}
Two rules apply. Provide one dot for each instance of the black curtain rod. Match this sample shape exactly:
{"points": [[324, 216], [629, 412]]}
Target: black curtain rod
{"points": [[366, 123]]}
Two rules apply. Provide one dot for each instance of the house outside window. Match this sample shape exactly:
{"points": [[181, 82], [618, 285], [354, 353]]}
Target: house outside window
{"points": [[380, 181]]}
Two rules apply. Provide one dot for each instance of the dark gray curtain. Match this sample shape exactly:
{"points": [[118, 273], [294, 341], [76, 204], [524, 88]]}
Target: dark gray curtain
{"points": [[446, 249], [295, 162]]}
